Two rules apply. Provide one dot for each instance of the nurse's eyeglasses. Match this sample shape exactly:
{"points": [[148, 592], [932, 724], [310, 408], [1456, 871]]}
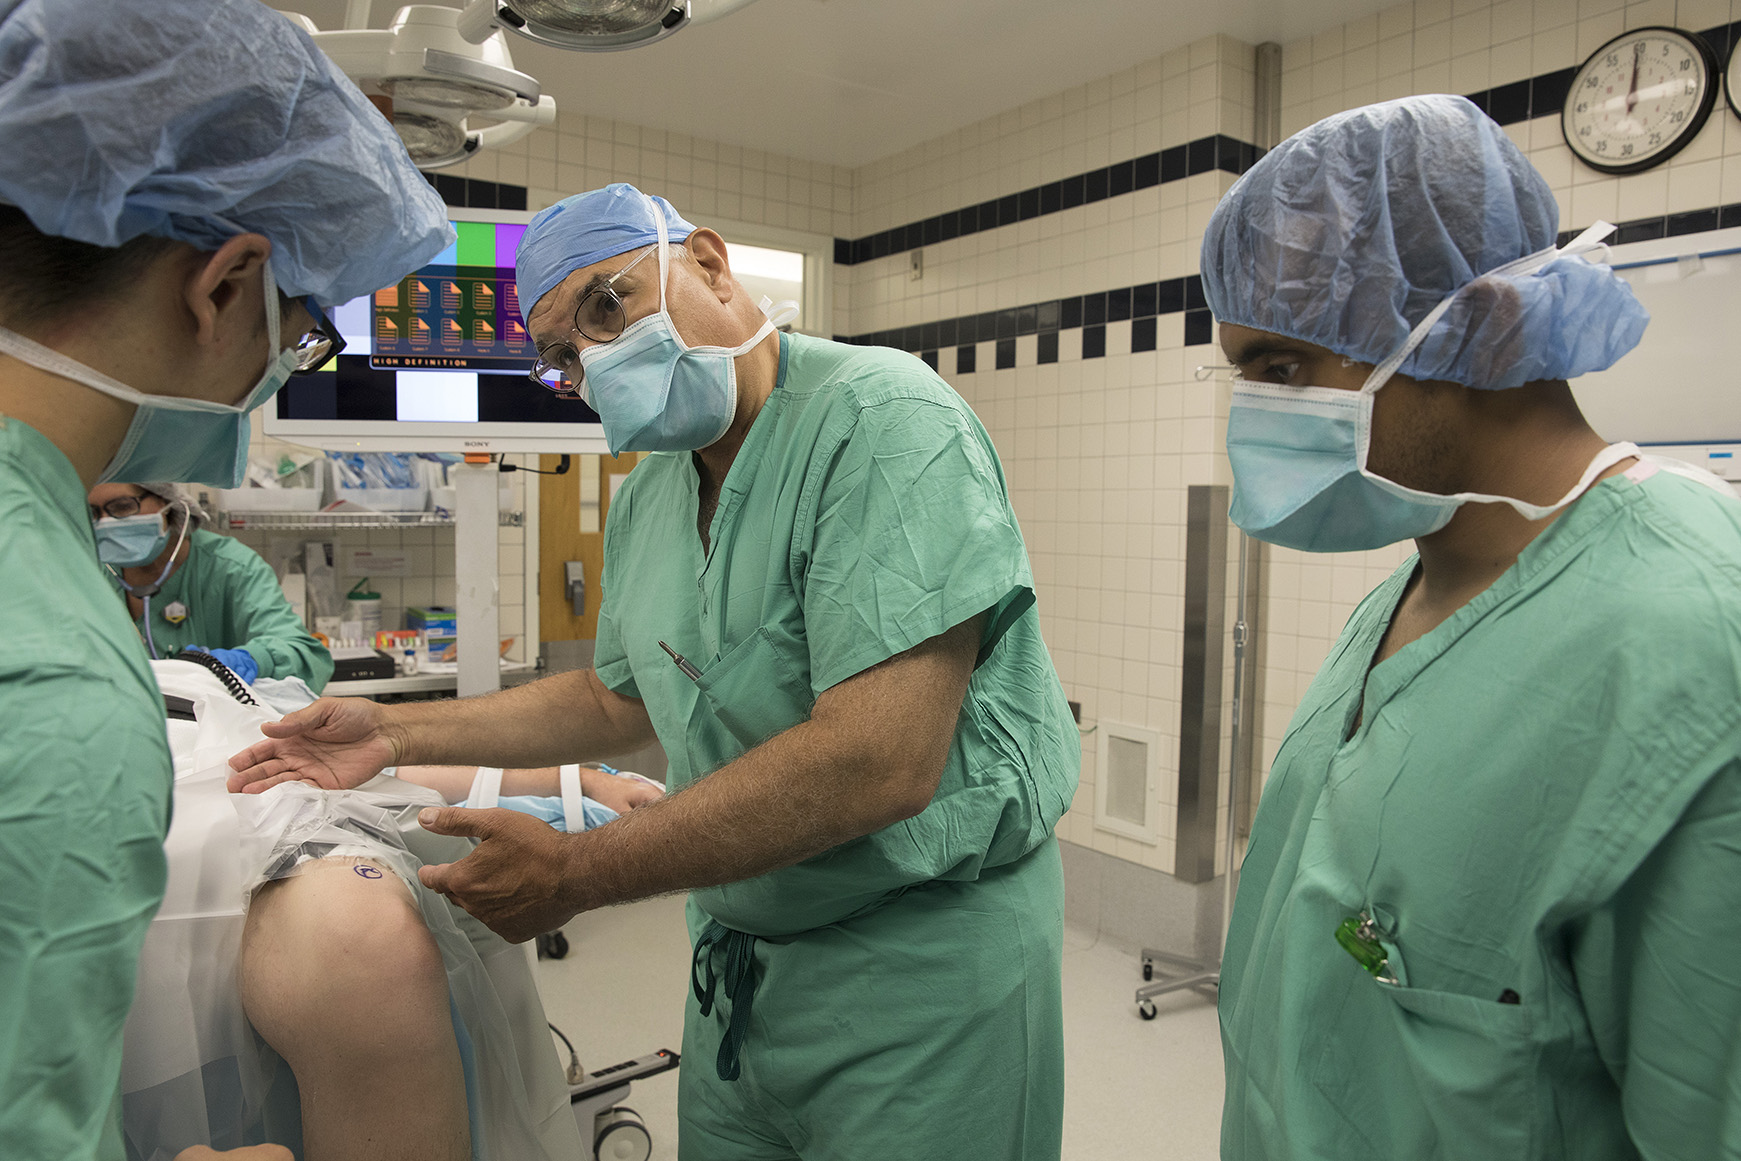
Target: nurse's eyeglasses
{"points": [[598, 318], [120, 507], [318, 346]]}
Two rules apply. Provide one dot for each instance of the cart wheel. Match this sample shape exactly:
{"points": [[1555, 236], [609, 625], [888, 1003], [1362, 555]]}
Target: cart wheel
{"points": [[621, 1136], [1146, 1009], [1148, 970], [552, 946]]}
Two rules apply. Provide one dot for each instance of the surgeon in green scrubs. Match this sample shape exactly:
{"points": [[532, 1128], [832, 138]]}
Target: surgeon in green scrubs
{"points": [[198, 589], [1489, 908], [818, 600], [162, 260]]}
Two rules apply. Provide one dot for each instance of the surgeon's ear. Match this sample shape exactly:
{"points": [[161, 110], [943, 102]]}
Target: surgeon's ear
{"points": [[707, 252], [226, 294]]}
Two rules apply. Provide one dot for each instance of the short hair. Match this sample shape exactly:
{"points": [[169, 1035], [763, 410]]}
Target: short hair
{"points": [[43, 278]]}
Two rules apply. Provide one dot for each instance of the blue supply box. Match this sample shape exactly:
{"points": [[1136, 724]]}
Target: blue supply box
{"points": [[440, 624]]}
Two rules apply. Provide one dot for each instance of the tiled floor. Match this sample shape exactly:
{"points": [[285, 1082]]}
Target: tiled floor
{"points": [[1135, 1089]]}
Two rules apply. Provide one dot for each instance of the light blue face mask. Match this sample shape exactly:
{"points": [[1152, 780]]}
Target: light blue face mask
{"points": [[173, 438], [654, 392], [130, 541], [1299, 457]]}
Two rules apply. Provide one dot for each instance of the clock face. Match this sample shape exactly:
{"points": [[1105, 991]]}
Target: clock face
{"points": [[1732, 80], [1639, 99]]}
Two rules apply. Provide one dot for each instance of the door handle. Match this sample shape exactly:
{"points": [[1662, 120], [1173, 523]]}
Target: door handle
{"points": [[574, 577]]}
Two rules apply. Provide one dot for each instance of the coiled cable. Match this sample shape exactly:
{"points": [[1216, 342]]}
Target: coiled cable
{"points": [[231, 682]]}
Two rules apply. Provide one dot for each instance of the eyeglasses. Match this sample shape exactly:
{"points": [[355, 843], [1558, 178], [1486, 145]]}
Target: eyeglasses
{"points": [[598, 318], [120, 507], [319, 345]]}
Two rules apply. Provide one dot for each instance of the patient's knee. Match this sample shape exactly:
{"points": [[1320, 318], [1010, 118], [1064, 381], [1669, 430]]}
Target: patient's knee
{"points": [[340, 953]]}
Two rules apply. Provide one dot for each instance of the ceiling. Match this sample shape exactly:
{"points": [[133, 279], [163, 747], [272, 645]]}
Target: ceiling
{"points": [[849, 81]]}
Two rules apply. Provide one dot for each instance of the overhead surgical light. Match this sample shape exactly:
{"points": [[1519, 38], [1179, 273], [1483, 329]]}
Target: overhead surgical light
{"points": [[591, 25], [434, 84], [436, 69]]}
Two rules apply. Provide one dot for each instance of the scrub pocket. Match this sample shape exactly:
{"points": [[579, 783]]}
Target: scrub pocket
{"points": [[755, 690], [1427, 1074]]}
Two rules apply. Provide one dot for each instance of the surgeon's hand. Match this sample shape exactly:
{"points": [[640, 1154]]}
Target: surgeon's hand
{"points": [[249, 1153], [515, 881], [338, 743]]}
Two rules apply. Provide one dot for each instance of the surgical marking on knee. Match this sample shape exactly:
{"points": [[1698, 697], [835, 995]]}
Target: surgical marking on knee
{"points": [[367, 871]]}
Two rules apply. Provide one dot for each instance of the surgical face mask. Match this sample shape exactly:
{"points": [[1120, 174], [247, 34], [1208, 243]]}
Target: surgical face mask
{"points": [[1299, 456], [130, 541], [135, 543], [653, 391], [173, 438]]}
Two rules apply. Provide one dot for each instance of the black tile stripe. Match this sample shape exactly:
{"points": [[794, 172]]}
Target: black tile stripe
{"points": [[1094, 341], [1142, 303], [1538, 96], [1169, 296], [1668, 225], [1151, 169], [470, 193], [1545, 95]]}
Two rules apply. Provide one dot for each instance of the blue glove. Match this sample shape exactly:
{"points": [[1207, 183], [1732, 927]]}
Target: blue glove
{"points": [[240, 661]]}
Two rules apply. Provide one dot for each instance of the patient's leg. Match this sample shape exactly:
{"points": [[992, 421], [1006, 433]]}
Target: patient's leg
{"points": [[342, 978]]}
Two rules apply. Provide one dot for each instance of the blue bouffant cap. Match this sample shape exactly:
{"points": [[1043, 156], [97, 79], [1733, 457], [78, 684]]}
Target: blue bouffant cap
{"points": [[1349, 233], [586, 228], [199, 120]]}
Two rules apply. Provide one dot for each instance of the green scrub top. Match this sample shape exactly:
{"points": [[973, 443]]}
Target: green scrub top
{"points": [[85, 779], [865, 513], [1539, 807], [234, 601]]}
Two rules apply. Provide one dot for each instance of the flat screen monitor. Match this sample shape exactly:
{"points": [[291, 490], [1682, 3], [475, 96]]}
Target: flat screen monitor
{"points": [[438, 362]]}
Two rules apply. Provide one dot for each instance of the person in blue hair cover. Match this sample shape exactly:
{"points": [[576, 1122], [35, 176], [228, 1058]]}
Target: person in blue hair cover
{"points": [[818, 600], [1489, 904], [186, 185]]}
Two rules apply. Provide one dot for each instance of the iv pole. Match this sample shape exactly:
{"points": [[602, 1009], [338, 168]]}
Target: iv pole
{"points": [[1266, 131], [1209, 975]]}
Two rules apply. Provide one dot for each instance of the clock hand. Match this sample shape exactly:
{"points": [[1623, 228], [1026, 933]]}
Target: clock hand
{"points": [[1632, 92]]}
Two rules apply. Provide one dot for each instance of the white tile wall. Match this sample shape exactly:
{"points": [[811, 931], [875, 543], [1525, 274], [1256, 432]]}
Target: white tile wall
{"points": [[704, 179], [1117, 242], [1430, 47]]}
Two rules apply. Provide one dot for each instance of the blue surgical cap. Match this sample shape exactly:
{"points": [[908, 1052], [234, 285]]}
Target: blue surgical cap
{"points": [[199, 120], [586, 228], [1350, 232]]}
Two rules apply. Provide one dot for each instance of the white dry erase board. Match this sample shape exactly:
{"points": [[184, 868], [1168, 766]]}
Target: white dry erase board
{"points": [[1680, 385]]}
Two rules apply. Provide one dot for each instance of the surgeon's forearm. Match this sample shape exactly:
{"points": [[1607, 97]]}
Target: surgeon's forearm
{"points": [[566, 717], [869, 757]]}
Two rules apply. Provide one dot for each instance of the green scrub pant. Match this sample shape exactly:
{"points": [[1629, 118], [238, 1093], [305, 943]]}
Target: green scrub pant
{"points": [[932, 1028]]}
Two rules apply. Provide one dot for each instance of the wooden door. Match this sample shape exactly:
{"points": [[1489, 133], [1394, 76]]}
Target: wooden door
{"points": [[571, 515]]}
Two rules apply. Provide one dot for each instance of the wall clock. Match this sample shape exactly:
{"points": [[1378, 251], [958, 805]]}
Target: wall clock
{"points": [[1639, 99]]}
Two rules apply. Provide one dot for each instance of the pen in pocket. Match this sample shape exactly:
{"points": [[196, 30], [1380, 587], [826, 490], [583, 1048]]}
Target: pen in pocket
{"points": [[688, 670]]}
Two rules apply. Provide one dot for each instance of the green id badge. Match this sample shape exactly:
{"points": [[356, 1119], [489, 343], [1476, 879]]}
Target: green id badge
{"points": [[1359, 938]]}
